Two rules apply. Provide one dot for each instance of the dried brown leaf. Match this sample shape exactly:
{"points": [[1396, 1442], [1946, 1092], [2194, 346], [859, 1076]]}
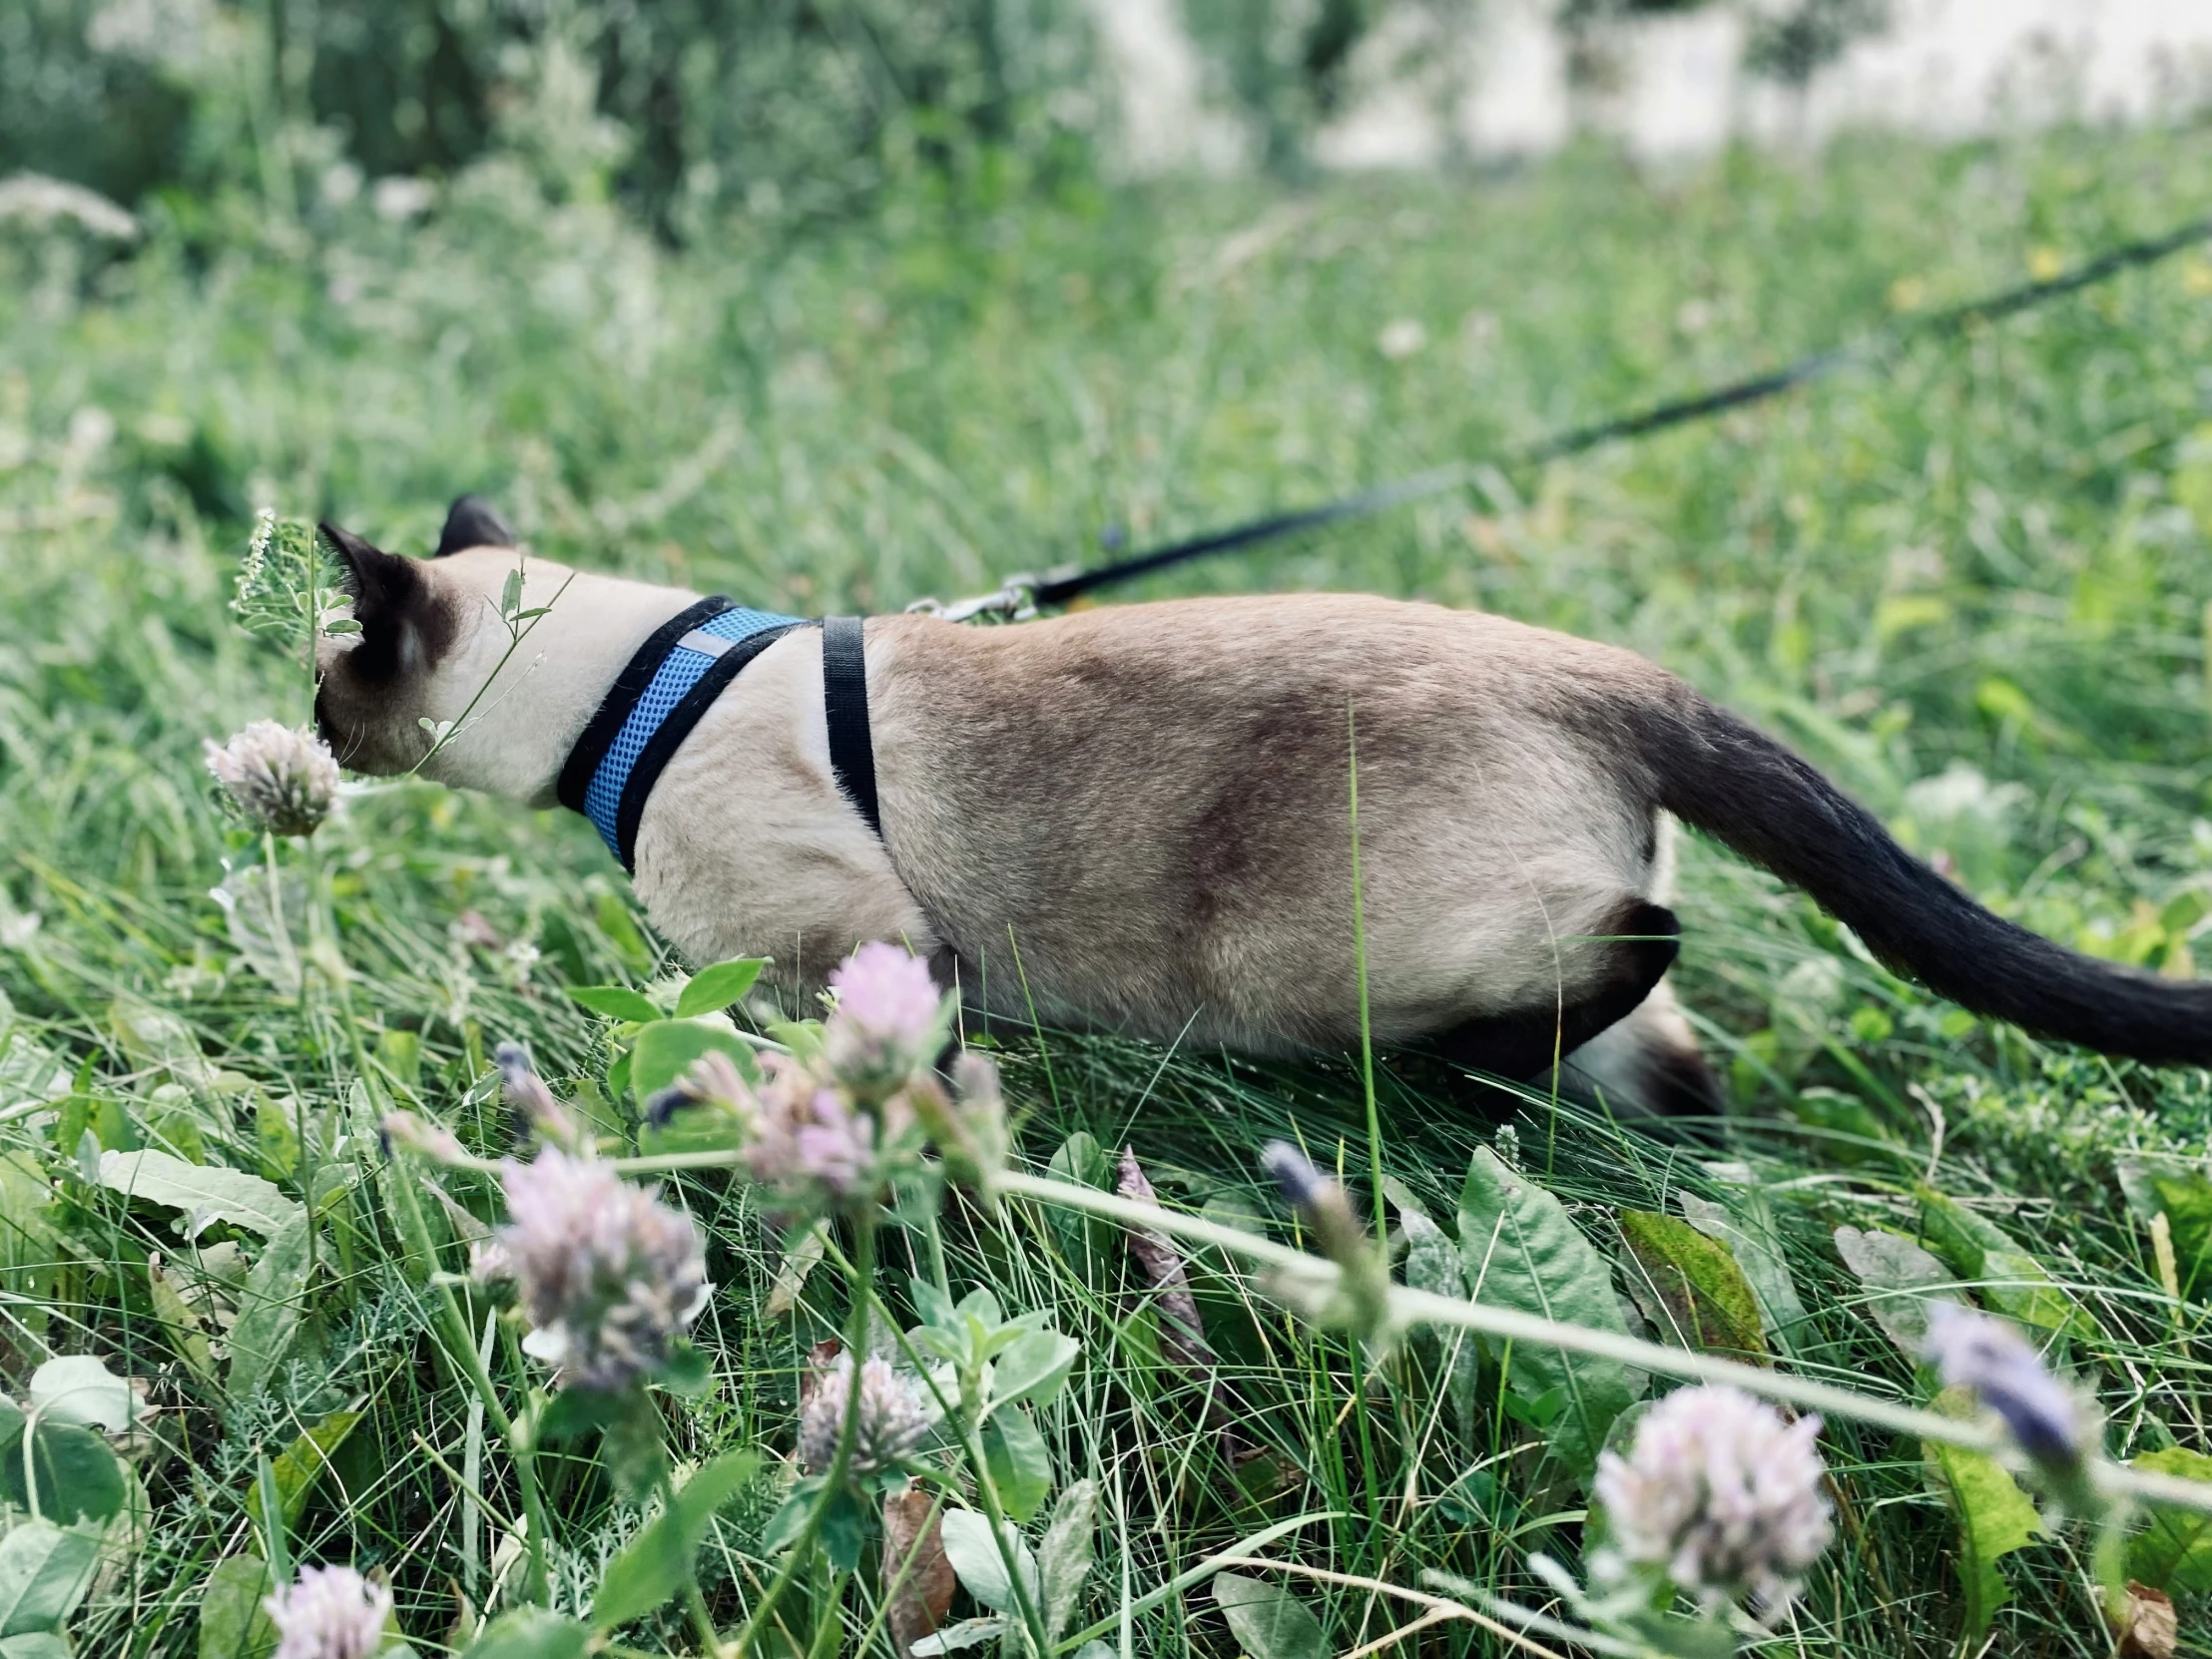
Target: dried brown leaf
{"points": [[1183, 1342], [911, 1532]]}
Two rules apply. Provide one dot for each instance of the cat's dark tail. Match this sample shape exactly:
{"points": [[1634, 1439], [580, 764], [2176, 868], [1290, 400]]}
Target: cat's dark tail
{"points": [[1715, 771]]}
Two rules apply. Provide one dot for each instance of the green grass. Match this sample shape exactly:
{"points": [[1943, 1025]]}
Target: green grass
{"points": [[1999, 555]]}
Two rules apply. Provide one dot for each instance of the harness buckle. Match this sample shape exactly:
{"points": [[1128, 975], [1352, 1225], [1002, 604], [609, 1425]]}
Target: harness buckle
{"points": [[1015, 600]]}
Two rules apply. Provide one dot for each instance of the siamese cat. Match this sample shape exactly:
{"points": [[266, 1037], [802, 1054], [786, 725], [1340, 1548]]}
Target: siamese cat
{"points": [[1138, 818]]}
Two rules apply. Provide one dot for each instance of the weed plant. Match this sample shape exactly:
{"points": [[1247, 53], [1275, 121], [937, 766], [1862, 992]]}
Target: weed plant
{"points": [[1975, 588]]}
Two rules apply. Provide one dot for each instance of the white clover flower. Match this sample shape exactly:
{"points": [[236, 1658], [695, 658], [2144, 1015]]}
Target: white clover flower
{"points": [[891, 1426], [608, 1275], [286, 780], [2006, 1372], [331, 1613], [1721, 1494], [885, 1018]]}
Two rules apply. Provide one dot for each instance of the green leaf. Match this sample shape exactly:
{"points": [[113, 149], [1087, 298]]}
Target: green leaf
{"points": [[44, 1572], [981, 1566], [1995, 1517], [1701, 1288], [2010, 1280], [270, 1307], [712, 990], [79, 1478], [1746, 1225], [1901, 1280], [232, 1623], [846, 1526], [652, 1567], [616, 1002], [2175, 1551], [510, 593], [79, 1388], [1033, 1367], [667, 1048], [1065, 1557], [531, 1633], [36, 1645], [1019, 1463], [206, 1193], [301, 1465], [1521, 1250], [1267, 1621]]}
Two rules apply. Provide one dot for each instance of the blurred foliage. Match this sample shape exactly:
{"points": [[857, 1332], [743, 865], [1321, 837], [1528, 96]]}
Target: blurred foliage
{"points": [[678, 107]]}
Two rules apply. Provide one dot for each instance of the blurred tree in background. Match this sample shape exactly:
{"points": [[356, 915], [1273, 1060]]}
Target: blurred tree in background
{"points": [[676, 106], [682, 109]]}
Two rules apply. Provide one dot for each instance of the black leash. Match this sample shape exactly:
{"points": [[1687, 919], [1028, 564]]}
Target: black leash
{"points": [[1024, 595]]}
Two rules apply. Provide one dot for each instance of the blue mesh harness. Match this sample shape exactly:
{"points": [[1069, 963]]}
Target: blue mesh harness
{"points": [[673, 679]]}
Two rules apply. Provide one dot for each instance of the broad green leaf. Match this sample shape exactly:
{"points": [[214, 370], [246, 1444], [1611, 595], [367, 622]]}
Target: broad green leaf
{"points": [[1032, 1368], [981, 1566], [206, 1193], [1901, 1280], [1433, 1265], [2010, 1280], [232, 1623], [301, 1465], [1995, 1517], [1267, 1621], [2175, 1551], [2180, 1188], [667, 1048], [1432, 1259], [652, 1567], [712, 990], [79, 1388], [1746, 1225], [182, 1320], [11, 1425], [270, 1307], [79, 1478], [615, 1001], [36, 1645], [1701, 1288], [1019, 1463], [1065, 1557], [44, 1572], [531, 1633], [1521, 1250]]}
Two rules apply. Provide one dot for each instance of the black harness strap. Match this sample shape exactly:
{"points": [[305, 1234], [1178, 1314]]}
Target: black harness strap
{"points": [[844, 706], [622, 697], [661, 748]]}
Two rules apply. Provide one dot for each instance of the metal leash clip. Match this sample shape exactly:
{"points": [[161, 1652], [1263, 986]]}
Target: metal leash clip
{"points": [[1014, 601]]}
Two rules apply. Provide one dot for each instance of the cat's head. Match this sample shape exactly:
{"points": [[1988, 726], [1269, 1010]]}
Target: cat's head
{"points": [[431, 635]]}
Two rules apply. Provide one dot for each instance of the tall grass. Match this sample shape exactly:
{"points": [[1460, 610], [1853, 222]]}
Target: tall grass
{"points": [[1975, 589]]}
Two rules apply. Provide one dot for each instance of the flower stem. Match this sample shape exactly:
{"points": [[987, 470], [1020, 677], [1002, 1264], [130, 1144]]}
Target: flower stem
{"points": [[862, 1274], [1426, 1307]]}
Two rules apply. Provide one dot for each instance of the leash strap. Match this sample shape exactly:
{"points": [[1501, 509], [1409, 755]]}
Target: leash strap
{"points": [[1062, 587], [844, 706]]}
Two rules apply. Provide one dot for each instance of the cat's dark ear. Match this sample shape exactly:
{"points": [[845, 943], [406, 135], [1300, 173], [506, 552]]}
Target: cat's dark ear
{"points": [[406, 624], [473, 522]]}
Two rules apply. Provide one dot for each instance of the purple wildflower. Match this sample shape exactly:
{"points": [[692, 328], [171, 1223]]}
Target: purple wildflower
{"points": [[1720, 1494], [891, 1422], [2001, 1366], [608, 1275], [886, 1019], [330, 1613]]}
